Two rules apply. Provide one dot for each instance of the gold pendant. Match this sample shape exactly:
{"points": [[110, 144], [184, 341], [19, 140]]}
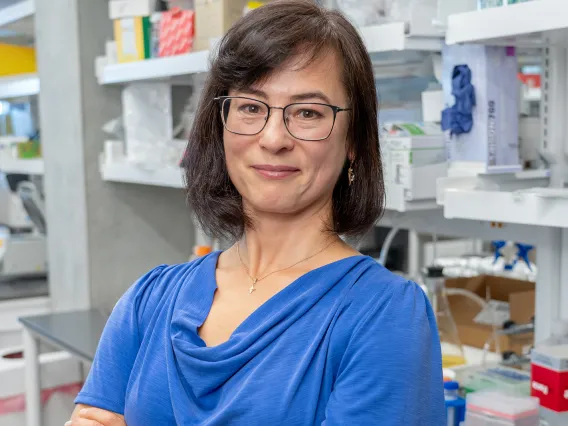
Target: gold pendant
{"points": [[251, 289]]}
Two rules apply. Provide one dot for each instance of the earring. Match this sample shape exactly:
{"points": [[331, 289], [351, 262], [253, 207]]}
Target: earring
{"points": [[350, 174]]}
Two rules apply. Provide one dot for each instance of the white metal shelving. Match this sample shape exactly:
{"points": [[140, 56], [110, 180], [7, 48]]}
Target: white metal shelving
{"points": [[18, 18], [396, 201], [128, 173], [28, 167], [392, 37], [534, 23], [396, 37], [19, 86], [537, 206], [156, 69]]}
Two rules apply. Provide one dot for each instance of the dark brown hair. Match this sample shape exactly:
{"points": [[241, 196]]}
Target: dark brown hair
{"points": [[257, 45]]}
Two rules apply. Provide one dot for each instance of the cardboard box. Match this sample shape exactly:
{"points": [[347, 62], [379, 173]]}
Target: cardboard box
{"points": [[118, 9], [520, 296], [133, 38], [177, 30], [408, 161], [213, 18]]}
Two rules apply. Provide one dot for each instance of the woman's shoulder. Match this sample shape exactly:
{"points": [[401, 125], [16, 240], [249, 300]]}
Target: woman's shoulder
{"points": [[162, 283], [377, 282], [378, 291]]}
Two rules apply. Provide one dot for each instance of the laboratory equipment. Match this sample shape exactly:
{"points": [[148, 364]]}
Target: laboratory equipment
{"points": [[493, 408], [455, 404], [452, 349], [22, 234]]}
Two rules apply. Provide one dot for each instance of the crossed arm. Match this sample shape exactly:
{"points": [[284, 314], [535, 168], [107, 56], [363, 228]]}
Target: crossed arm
{"points": [[83, 415]]}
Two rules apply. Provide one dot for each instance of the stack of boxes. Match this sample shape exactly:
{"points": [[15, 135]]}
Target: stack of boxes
{"points": [[142, 31]]}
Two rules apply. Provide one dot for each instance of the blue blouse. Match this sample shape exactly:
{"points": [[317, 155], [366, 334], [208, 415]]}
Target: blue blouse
{"points": [[346, 344]]}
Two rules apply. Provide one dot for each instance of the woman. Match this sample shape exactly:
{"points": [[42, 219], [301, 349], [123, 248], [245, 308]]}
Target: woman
{"points": [[290, 326]]}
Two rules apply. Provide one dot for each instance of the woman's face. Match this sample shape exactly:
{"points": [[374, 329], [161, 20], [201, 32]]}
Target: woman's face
{"points": [[274, 171]]}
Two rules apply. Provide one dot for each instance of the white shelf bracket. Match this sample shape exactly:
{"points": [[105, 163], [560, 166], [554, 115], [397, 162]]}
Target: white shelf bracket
{"points": [[554, 112]]}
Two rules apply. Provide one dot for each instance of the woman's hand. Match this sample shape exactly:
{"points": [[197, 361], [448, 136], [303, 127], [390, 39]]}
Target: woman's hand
{"points": [[91, 416]]}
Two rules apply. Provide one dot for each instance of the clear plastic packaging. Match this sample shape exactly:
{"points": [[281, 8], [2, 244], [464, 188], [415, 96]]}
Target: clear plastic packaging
{"points": [[148, 122], [495, 377], [492, 408], [452, 349]]}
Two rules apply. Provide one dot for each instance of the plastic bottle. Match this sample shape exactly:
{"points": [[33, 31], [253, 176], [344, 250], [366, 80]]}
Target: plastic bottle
{"points": [[455, 405], [452, 349]]}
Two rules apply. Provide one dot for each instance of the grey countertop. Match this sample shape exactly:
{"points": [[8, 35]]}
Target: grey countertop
{"points": [[77, 332]]}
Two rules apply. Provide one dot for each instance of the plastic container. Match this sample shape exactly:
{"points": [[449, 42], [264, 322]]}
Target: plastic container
{"points": [[455, 405], [452, 349], [496, 378], [493, 408]]}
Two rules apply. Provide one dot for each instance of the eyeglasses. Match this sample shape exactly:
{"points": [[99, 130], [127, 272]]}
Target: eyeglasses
{"points": [[304, 121]]}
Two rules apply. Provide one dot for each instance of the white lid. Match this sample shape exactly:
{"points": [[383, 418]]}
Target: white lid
{"points": [[555, 351], [502, 405]]}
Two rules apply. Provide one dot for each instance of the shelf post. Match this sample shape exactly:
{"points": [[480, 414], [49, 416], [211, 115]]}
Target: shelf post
{"points": [[548, 281], [554, 112]]}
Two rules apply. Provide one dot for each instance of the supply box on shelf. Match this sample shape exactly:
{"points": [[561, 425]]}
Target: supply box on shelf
{"points": [[133, 38], [213, 18], [492, 143], [413, 159], [520, 296], [550, 377], [176, 32]]}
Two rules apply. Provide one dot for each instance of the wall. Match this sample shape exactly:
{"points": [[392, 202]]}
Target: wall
{"points": [[101, 235]]}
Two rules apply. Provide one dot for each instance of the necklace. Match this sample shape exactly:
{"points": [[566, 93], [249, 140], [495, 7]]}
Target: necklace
{"points": [[255, 279]]}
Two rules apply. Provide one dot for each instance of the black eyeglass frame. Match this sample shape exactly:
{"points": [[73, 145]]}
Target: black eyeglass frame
{"points": [[221, 100]]}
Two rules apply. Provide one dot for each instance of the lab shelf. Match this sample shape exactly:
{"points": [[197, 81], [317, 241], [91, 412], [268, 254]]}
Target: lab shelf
{"points": [[18, 18], [397, 36], [29, 167], [534, 206], [396, 200], [19, 86], [128, 173], [156, 69], [534, 23]]}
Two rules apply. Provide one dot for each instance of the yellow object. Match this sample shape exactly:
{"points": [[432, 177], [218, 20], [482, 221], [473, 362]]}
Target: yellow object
{"points": [[17, 60], [255, 4], [450, 361], [133, 38]]}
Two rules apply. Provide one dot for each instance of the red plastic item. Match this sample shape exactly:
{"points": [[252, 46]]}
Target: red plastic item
{"points": [[177, 30], [549, 381]]}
